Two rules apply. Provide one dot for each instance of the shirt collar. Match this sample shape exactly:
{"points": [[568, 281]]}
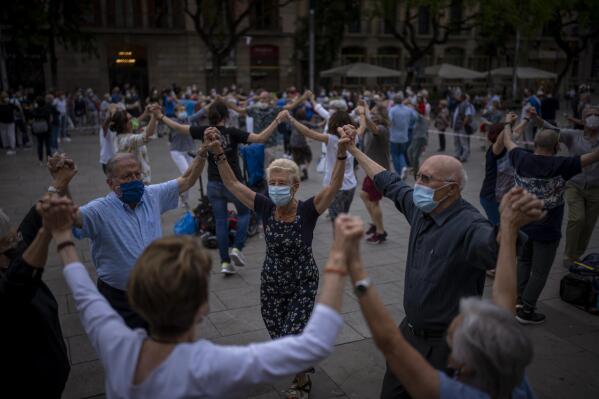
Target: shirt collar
{"points": [[440, 218]]}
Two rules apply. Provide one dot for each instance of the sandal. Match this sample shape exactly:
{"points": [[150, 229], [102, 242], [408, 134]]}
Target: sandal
{"points": [[296, 391]]}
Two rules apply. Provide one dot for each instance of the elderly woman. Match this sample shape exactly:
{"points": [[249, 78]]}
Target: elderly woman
{"points": [[289, 279], [169, 287], [489, 350]]}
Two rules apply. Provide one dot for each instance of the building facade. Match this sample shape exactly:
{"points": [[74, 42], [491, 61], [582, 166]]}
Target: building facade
{"points": [[153, 43]]}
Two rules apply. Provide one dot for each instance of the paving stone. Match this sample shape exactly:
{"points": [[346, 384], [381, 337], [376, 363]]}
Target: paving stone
{"points": [[85, 380], [81, 350], [237, 321]]}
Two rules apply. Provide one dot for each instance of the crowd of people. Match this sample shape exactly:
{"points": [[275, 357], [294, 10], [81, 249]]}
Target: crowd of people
{"points": [[144, 312]]}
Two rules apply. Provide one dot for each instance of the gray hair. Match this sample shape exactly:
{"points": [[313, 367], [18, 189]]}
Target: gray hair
{"points": [[493, 344], [117, 158], [461, 178]]}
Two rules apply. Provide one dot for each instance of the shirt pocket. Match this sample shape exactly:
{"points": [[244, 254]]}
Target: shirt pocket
{"points": [[434, 265]]}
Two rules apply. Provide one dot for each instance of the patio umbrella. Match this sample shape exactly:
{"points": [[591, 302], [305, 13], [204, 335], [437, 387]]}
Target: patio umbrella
{"points": [[449, 71], [361, 70], [524, 73]]}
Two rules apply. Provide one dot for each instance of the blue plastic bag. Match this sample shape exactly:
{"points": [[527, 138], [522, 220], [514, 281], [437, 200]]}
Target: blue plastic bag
{"points": [[186, 225]]}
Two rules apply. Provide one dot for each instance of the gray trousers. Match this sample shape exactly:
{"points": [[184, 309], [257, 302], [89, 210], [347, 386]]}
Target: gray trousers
{"points": [[534, 262], [461, 145]]}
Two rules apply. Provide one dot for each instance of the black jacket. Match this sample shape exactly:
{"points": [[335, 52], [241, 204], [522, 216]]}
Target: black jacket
{"points": [[33, 360]]}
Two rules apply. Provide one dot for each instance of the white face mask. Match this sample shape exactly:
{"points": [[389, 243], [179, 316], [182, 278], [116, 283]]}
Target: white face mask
{"points": [[592, 121]]}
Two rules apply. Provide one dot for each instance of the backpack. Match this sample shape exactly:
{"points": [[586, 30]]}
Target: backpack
{"points": [[39, 126], [580, 287]]}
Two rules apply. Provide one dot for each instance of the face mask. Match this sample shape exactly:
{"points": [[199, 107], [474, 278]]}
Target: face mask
{"points": [[262, 105], [182, 115], [592, 121], [280, 195], [424, 198], [134, 124], [132, 192]]}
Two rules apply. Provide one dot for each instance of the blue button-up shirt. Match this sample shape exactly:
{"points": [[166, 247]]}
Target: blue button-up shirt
{"points": [[448, 254], [119, 234], [402, 119]]}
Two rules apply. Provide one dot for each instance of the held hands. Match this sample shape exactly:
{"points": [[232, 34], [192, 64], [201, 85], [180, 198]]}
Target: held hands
{"points": [[511, 117], [62, 169], [519, 207], [349, 231], [155, 110], [347, 135], [283, 116], [58, 213], [212, 140]]}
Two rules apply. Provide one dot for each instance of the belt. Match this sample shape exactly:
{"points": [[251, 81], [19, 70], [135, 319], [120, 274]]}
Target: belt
{"points": [[425, 332]]}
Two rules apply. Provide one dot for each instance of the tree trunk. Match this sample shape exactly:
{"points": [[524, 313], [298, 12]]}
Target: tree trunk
{"points": [[216, 62], [562, 74]]}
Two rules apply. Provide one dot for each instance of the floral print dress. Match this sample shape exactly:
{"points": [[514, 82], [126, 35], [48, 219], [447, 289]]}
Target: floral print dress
{"points": [[289, 278]]}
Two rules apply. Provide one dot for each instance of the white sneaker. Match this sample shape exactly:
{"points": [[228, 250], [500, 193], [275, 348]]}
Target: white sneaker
{"points": [[404, 172], [11, 152], [67, 139], [227, 268], [237, 257]]}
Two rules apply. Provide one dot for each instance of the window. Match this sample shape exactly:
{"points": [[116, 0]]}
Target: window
{"points": [[351, 55], [123, 13], [454, 56], [165, 14], [424, 20], [390, 22], [266, 15], [389, 57], [455, 12]]}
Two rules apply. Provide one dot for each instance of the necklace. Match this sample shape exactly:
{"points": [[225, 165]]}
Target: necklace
{"points": [[282, 215]]}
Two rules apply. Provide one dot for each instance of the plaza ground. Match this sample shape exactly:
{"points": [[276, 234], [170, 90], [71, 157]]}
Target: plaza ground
{"points": [[566, 361]]}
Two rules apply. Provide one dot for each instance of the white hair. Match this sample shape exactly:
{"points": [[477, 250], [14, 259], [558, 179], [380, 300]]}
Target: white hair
{"points": [[287, 166], [493, 345]]}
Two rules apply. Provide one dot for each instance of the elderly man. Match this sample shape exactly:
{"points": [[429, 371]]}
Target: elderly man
{"points": [[544, 174], [461, 123], [451, 246], [582, 191], [124, 222]]}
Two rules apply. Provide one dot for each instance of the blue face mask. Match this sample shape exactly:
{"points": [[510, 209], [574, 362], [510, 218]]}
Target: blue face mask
{"points": [[280, 195], [423, 197], [132, 192]]}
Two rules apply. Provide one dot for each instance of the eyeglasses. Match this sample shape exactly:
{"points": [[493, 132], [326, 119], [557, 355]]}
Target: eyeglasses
{"points": [[130, 176], [426, 179]]}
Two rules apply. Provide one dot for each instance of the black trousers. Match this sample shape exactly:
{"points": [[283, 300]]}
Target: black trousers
{"points": [[118, 300], [442, 141], [43, 139], [434, 349]]}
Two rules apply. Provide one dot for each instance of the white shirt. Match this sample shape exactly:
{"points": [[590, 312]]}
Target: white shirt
{"points": [[349, 177], [107, 149], [194, 370]]}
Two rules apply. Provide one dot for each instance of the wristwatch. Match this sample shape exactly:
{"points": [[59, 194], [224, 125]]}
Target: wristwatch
{"points": [[361, 286]]}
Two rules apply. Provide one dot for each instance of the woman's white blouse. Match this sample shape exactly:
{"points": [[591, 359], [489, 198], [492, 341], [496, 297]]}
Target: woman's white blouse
{"points": [[194, 370]]}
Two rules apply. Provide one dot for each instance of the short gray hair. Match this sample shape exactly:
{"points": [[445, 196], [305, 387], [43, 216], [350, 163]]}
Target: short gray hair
{"points": [[113, 162], [493, 344]]}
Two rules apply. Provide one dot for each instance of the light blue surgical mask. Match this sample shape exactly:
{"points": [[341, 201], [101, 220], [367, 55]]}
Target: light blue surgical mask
{"points": [[280, 195], [424, 197]]}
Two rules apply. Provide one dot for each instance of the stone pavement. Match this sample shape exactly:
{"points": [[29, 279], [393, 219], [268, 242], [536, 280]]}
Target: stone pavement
{"points": [[566, 359]]}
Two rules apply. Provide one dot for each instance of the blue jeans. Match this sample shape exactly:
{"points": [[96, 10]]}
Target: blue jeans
{"points": [[491, 208], [398, 155], [219, 196], [54, 138]]}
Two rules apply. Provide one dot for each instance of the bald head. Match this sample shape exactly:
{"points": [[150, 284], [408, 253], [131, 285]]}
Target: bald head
{"points": [[445, 168], [547, 140]]}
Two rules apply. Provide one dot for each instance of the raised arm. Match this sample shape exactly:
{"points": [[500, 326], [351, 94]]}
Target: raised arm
{"points": [[325, 197], [263, 136], [298, 101], [306, 131], [589, 158], [183, 129], [236, 108], [242, 192], [507, 137], [151, 128], [370, 167], [192, 174], [419, 377]]}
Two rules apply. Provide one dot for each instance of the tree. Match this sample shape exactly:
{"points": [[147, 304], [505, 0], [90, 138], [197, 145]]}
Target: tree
{"points": [[567, 14], [220, 24], [441, 25], [331, 17], [44, 24]]}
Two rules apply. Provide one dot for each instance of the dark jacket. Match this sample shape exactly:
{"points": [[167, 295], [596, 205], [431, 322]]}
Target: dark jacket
{"points": [[33, 359]]}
